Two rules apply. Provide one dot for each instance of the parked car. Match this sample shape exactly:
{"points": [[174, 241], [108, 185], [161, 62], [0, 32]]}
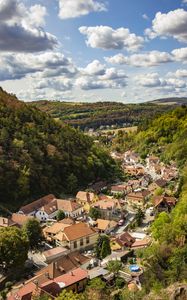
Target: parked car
{"points": [[121, 222]]}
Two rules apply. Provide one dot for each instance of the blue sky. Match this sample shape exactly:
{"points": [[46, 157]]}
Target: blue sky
{"points": [[93, 50]]}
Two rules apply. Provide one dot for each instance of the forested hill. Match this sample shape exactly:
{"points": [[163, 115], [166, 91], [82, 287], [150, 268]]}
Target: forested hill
{"points": [[165, 136], [39, 155], [94, 115]]}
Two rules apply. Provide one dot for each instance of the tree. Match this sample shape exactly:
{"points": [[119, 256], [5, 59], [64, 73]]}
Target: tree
{"points": [[72, 184], [103, 248], [96, 289], [65, 295], [60, 215], [33, 231], [114, 266], [139, 217], [94, 213], [14, 247]]}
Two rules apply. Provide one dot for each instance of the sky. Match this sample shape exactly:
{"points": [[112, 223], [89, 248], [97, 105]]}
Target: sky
{"points": [[128, 51]]}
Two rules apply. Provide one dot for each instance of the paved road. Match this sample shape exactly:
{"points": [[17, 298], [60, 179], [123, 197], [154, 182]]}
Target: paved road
{"points": [[128, 221]]}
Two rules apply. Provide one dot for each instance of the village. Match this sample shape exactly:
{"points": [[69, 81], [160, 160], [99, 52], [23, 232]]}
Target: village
{"points": [[121, 212]]}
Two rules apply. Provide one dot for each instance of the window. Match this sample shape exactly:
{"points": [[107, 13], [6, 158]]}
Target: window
{"points": [[87, 240], [75, 244], [81, 242]]}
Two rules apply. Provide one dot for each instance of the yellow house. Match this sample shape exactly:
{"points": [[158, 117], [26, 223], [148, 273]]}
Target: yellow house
{"points": [[86, 199], [77, 237]]}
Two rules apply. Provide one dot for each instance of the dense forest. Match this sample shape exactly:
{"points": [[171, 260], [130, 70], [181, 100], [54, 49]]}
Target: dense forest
{"points": [[39, 155], [94, 115]]}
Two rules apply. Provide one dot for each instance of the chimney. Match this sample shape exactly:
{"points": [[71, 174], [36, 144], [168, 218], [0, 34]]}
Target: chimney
{"points": [[88, 197]]}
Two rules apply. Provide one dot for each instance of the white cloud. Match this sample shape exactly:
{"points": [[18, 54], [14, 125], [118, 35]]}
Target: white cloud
{"points": [[88, 83], [181, 73], [149, 59], [172, 24], [59, 84], [106, 38], [180, 54], [96, 76], [20, 28], [76, 8], [149, 80], [17, 66], [153, 80], [94, 68], [145, 17]]}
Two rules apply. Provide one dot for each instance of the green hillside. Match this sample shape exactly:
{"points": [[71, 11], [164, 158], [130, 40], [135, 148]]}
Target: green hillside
{"points": [[166, 136], [94, 115], [39, 155]]}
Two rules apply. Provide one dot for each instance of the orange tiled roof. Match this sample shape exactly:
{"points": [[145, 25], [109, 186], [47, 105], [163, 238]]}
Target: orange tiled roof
{"points": [[77, 231], [85, 196], [68, 205], [20, 219], [107, 204]]}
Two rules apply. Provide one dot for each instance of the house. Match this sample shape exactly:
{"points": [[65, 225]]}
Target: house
{"points": [[70, 207], [125, 240], [105, 226], [54, 253], [119, 189], [97, 187], [134, 184], [20, 219], [131, 157], [164, 203], [160, 183], [152, 160], [60, 266], [75, 281], [35, 208], [15, 220], [134, 171], [6, 222], [139, 244], [138, 198], [110, 209], [50, 231], [77, 237], [86, 199]]}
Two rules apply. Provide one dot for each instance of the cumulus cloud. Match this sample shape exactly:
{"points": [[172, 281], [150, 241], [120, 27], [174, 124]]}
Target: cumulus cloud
{"points": [[106, 38], [20, 28], [97, 76], [149, 59], [59, 84], [153, 80], [180, 54], [180, 73], [172, 24], [94, 68], [86, 83], [149, 80], [47, 64], [76, 8]]}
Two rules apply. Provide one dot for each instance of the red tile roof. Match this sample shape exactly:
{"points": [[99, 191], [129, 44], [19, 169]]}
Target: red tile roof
{"points": [[35, 205]]}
